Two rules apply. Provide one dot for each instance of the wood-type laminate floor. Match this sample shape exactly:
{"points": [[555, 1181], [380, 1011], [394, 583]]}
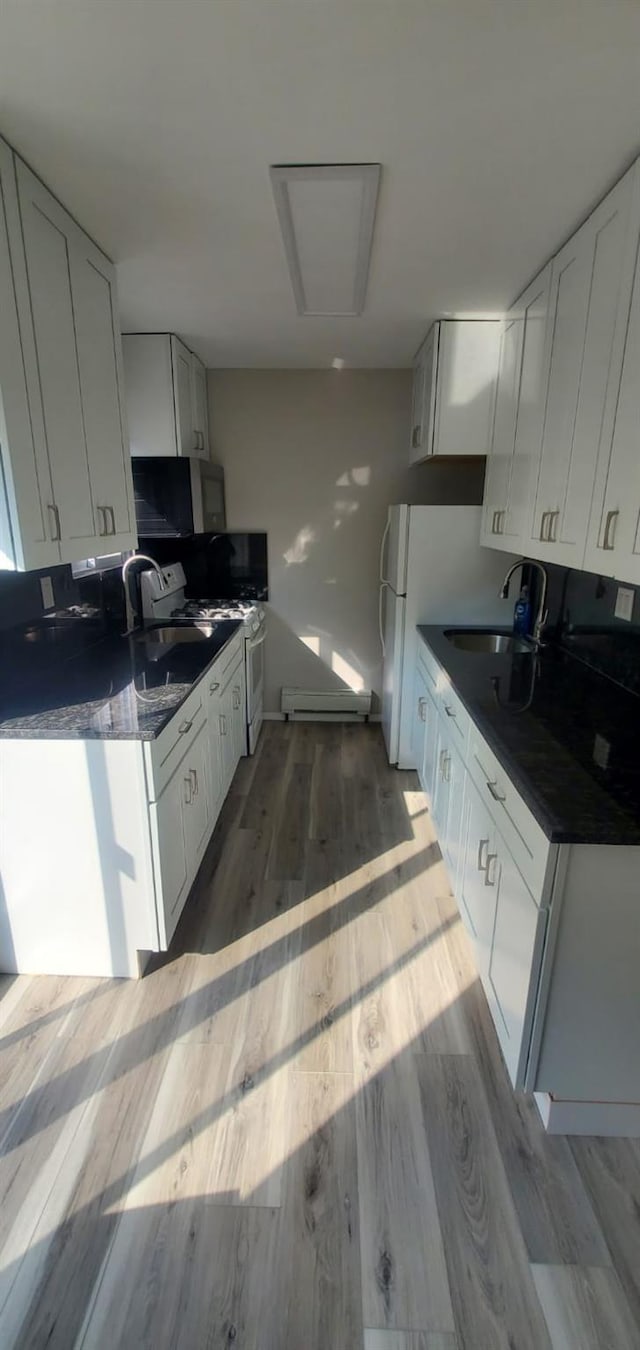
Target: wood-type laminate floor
{"points": [[296, 1132]]}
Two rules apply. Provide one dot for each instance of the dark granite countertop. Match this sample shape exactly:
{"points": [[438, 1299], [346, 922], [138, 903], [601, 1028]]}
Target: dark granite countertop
{"points": [[74, 679], [568, 737]]}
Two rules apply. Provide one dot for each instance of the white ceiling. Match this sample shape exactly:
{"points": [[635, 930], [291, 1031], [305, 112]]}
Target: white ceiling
{"points": [[498, 124]]}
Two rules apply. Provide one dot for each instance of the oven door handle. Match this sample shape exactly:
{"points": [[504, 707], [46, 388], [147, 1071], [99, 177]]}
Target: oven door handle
{"points": [[257, 641]]}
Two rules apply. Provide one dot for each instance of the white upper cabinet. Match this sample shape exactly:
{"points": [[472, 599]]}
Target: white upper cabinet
{"points": [[199, 405], [500, 461], [455, 374], [166, 392], [28, 525], [519, 417], [591, 288], [102, 391], [67, 477], [613, 542]]}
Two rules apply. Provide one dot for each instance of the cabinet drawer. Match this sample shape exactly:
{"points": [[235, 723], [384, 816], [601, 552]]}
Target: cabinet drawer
{"points": [[164, 754], [430, 667], [454, 714], [228, 659], [523, 836]]}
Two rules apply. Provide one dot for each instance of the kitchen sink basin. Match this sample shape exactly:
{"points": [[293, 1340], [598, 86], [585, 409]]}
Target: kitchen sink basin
{"points": [[165, 637], [469, 640]]}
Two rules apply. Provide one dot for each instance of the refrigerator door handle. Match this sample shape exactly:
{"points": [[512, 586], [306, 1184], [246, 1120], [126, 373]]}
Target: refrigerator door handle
{"points": [[383, 580], [383, 586]]}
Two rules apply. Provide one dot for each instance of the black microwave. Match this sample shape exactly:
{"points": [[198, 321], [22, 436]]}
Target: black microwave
{"points": [[177, 496]]}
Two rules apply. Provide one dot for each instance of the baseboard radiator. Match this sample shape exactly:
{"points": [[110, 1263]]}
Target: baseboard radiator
{"points": [[314, 705]]}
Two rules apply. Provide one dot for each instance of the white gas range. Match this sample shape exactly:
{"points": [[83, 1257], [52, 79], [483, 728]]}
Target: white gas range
{"points": [[169, 601]]}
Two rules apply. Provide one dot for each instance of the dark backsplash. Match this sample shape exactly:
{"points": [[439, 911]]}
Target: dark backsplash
{"points": [[21, 597], [582, 619], [221, 565]]}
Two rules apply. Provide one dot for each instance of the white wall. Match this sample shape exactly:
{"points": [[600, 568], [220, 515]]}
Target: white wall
{"points": [[314, 458]]}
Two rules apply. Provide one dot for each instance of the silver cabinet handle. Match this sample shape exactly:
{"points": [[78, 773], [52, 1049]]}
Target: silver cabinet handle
{"points": [[55, 514], [422, 709], [416, 437], [545, 515], [111, 513], [223, 725], [490, 879], [214, 686], [609, 531], [552, 536], [188, 790], [194, 781], [494, 522], [446, 772], [503, 517], [497, 796], [442, 757], [450, 711], [101, 512], [185, 726], [482, 845]]}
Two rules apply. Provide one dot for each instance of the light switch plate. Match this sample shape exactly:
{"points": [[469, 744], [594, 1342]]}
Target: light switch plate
{"points": [[624, 603], [46, 590]]}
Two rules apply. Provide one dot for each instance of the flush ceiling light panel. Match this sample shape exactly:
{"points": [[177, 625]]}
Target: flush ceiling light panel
{"points": [[326, 214]]}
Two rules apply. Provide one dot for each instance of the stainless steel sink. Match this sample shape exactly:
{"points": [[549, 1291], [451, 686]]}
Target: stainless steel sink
{"points": [[469, 640], [165, 637]]}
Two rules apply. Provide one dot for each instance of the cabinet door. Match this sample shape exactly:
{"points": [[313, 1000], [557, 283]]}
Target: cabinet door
{"points": [[101, 384], [533, 311], [197, 799], [216, 762], [428, 774], [199, 407], [513, 974], [419, 728], [48, 233], [424, 393], [27, 520], [168, 830], [495, 515], [186, 440], [239, 711], [592, 277], [455, 770], [466, 386], [476, 892], [441, 783], [613, 546]]}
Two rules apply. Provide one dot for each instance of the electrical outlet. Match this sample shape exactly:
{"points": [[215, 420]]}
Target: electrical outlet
{"points": [[624, 603], [46, 590]]}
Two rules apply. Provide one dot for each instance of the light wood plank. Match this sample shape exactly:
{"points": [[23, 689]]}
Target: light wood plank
{"points": [[322, 1010], [494, 1300], [408, 1340], [404, 1275], [585, 1308], [320, 1271], [610, 1169]]}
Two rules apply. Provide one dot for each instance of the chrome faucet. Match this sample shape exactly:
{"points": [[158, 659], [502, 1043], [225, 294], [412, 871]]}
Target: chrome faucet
{"points": [[542, 614], [129, 609]]}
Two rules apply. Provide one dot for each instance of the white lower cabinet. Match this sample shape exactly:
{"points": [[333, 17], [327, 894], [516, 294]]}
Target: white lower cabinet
{"points": [[518, 932], [475, 811], [180, 826], [476, 894], [559, 967]]}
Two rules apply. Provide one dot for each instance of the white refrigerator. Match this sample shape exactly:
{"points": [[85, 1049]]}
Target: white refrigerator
{"points": [[432, 570]]}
